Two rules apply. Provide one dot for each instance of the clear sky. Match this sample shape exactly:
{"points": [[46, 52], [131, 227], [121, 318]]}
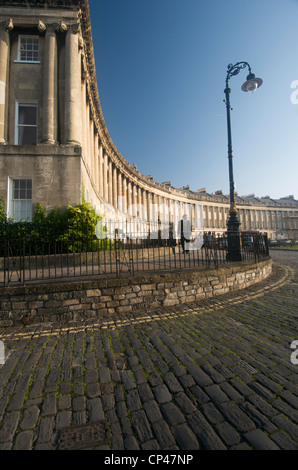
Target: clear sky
{"points": [[161, 70]]}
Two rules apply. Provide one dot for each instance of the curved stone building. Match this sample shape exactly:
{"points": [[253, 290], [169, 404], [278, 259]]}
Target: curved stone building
{"points": [[56, 149]]}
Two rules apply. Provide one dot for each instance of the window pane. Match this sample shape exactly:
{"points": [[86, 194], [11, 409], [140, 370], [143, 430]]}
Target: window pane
{"points": [[29, 47], [22, 189], [27, 136], [28, 115], [22, 210]]}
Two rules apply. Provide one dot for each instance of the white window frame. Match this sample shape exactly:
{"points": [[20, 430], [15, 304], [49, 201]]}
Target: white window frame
{"points": [[19, 59], [10, 199], [17, 125]]}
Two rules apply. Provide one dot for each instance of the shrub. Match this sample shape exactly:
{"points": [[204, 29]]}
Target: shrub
{"points": [[70, 230]]}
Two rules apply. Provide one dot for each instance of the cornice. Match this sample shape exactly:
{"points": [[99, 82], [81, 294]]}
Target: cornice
{"points": [[65, 4]]}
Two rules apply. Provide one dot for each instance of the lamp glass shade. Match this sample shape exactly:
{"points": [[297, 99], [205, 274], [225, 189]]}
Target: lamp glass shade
{"points": [[252, 83]]}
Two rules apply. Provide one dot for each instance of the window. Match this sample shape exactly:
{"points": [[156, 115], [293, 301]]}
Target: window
{"points": [[28, 49], [26, 127], [20, 207]]}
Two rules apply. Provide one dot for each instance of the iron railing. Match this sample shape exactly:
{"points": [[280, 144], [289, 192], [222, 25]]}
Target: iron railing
{"points": [[26, 261]]}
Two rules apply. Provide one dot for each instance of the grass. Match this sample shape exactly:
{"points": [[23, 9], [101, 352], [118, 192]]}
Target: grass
{"points": [[286, 247]]}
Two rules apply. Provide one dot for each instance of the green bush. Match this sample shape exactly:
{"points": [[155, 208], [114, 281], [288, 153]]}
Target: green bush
{"points": [[71, 230]]}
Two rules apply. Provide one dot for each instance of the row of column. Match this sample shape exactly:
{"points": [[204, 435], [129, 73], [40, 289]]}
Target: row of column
{"points": [[4, 73], [72, 128], [126, 196], [72, 116]]}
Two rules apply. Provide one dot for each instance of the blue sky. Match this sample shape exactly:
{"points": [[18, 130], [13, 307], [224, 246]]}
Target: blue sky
{"points": [[161, 70]]}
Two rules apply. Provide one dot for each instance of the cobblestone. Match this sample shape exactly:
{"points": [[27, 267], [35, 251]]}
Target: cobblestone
{"points": [[213, 374]]}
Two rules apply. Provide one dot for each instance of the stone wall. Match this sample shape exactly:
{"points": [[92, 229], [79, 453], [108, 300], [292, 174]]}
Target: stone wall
{"points": [[113, 298]]}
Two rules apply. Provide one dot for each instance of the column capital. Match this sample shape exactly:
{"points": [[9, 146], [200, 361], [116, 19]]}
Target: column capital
{"points": [[41, 26], [7, 25], [73, 28]]}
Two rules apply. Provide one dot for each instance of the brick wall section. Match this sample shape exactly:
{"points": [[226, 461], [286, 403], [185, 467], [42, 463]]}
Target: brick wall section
{"points": [[81, 300]]}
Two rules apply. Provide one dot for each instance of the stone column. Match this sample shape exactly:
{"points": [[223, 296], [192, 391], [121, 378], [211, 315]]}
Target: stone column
{"points": [[144, 201], [91, 149], [73, 119], [96, 161], [100, 164], [105, 177], [119, 191], [49, 127], [4, 69], [129, 195], [124, 194], [115, 188], [110, 182]]}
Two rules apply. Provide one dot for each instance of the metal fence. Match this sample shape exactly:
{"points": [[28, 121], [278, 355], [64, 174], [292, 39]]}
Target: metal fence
{"points": [[27, 261]]}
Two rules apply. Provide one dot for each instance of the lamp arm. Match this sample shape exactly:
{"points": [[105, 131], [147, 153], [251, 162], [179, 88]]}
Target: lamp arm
{"points": [[235, 69]]}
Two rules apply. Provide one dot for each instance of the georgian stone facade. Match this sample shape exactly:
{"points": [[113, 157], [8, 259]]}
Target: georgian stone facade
{"points": [[55, 147]]}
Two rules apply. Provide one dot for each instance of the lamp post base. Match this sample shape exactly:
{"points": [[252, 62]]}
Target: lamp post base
{"points": [[234, 245]]}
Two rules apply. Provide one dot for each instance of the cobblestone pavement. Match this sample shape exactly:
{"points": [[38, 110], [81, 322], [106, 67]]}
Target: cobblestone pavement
{"points": [[214, 375]]}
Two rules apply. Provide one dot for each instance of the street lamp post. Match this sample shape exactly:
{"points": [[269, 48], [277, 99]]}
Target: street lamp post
{"points": [[252, 83]]}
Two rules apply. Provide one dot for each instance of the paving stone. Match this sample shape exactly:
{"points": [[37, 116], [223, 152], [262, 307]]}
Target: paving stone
{"points": [[140, 376], [185, 438], [184, 403], [172, 414], [141, 426], [155, 379], [152, 411], [150, 445], [211, 413], [186, 381], [23, 383], [283, 441], [130, 443], [17, 401], [227, 433], [204, 432], [145, 392], [9, 426], [172, 383], [53, 377], [216, 394], [133, 400], [78, 403], [24, 441], [49, 406], [201, 378], [231, 392], [260, 441], [286, 425], [91, 376], [30, 417], [236, 417], [128, 380], [64, 402], [45, 430], [258, 418], [63, 419], [92, 390], [162, 394], [108, 402], [104, 375], [265, 408], [163, 434]]}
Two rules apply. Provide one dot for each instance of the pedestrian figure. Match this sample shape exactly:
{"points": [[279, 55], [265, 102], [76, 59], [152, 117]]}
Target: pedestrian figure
{"points": [[184, 230]]}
